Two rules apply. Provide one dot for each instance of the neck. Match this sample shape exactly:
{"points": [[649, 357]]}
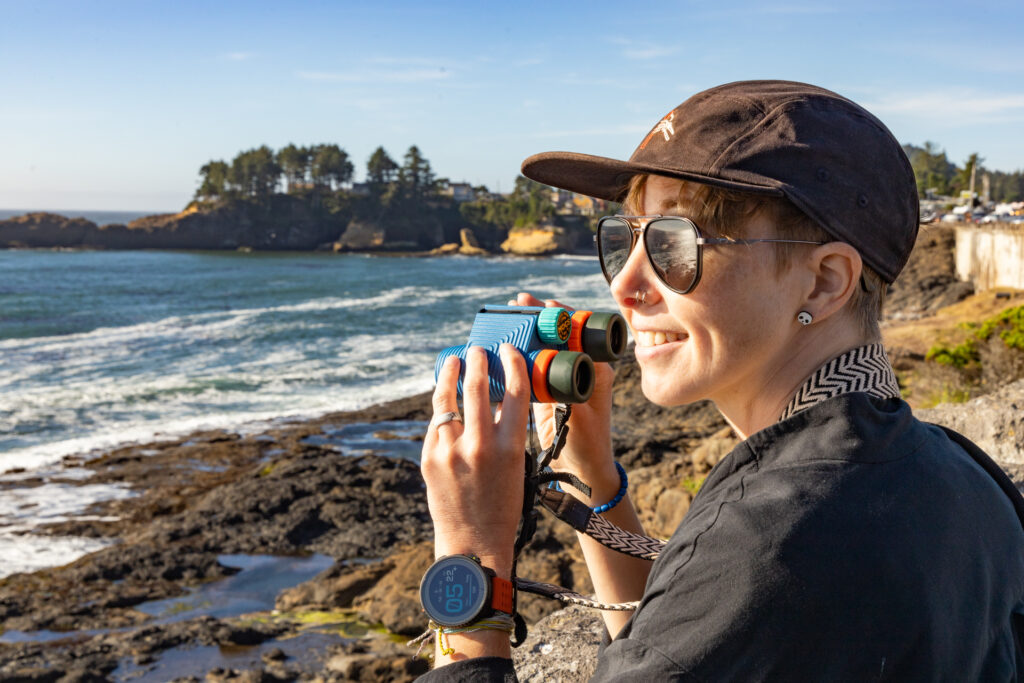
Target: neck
{"points": [[759, 401]]}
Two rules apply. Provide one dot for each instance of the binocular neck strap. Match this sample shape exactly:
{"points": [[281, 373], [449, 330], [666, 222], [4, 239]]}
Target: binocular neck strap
{"points": [[564, 595], [573, 512], [583, 519]]}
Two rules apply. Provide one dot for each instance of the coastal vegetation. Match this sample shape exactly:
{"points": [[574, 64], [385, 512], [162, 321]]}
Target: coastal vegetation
{"points": [[976, 355], [1007, 326], [420, 209], [937, 175]]}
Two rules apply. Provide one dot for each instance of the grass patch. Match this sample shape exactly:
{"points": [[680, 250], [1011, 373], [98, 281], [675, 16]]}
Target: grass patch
{"points": [[947, 394], [693, 484], [1008, 324], [345, 623]]}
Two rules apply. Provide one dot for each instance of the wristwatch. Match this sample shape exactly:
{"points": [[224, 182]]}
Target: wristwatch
{"points": [[458, 590]]}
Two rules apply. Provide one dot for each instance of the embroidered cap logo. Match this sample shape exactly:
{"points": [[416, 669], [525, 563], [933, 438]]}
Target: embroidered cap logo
{"points": [[664, 127]]}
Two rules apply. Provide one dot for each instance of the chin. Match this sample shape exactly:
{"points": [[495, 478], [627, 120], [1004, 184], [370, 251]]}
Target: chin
{"points": [[663, 394]]}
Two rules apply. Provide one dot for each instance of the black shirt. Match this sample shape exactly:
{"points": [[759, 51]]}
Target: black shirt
{"points": [[848, 542]]}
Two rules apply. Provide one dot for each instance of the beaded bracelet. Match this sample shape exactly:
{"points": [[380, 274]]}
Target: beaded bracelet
{"points": [[623, 485]]}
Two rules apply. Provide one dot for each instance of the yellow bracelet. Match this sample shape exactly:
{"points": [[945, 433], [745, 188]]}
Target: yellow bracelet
{"points": [[499, 622]]}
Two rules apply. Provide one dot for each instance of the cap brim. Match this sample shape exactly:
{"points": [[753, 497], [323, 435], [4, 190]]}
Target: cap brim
{"points": [[606, 178]]}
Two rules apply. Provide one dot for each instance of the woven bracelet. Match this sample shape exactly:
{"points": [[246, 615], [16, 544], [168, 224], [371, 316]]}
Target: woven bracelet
{"points": [[623, 485], [498, 622]]}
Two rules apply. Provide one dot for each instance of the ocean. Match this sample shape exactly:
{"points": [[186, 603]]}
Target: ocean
{"points": [[102, 348]]}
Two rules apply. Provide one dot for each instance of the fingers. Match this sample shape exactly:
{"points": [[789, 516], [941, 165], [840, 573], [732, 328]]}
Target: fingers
{"points": [[476, 394], [445, 399], [515, 407], [526, 299]]}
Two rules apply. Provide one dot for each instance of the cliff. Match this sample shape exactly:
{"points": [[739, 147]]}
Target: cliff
{"points": [[286, 222], [282, 223]]}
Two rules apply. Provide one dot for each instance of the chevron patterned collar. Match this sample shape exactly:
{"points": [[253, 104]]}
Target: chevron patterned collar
{"points": [[863, 369]]}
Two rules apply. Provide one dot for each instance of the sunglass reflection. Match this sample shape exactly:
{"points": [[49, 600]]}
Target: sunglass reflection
{"points": [[674, 247]]}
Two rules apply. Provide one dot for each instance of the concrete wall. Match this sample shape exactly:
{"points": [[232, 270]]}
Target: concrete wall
{"points": [[990, 257]]}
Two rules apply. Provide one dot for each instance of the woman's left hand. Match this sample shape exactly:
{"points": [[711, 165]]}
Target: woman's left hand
{"points": [[474, 470]]}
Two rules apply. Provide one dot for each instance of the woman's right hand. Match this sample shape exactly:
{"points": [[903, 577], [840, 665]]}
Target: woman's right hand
{"points": [[588, 448]]}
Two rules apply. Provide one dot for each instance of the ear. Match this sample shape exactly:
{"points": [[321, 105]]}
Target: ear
{"points": [[835, 268]]}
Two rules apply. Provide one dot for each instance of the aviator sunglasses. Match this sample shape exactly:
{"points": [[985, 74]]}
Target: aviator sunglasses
{"points": [[674, 247]]}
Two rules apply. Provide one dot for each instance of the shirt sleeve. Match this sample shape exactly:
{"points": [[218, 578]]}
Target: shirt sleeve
{"points": [[477, 670]]}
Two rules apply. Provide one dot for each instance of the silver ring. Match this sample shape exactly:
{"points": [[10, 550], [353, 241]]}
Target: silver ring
{"points": [[445, 418], [640, 295]]}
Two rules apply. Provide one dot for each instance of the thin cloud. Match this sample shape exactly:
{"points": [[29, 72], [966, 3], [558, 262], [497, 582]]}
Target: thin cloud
{"points": [[376, 76], [791, 9], [649, 52], [780, 10], [405, 61], [625, 129], [956, 107], [643, 50]]}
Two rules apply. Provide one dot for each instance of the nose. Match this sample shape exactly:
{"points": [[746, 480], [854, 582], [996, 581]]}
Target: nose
{"points": [[636, 275]]}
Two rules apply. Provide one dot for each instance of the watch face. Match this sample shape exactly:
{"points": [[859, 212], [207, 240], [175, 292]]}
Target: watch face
{"points": [[454, 590]]}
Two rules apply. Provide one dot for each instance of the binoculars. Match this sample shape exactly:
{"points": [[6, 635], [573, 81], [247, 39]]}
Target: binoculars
{"points": [[560, 347]]}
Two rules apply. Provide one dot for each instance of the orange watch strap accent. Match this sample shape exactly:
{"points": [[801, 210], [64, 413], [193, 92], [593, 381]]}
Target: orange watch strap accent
{"points": [[539, 376], [579, 319], [501, 595]]}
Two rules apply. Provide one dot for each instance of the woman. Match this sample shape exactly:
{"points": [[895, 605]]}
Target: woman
{"points": [[764, 220]]}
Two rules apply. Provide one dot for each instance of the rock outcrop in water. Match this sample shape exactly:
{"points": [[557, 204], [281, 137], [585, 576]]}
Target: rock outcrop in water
{"points": [[283, 223]]}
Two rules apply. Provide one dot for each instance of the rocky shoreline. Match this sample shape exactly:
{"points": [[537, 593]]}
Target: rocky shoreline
{"points": [[293, 554], [285, 225], [289, 491]]}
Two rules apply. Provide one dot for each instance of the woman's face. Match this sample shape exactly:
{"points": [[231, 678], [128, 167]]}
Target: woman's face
{"points": [[727, 338]]}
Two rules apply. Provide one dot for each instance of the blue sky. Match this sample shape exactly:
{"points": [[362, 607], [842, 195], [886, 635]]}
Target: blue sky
{"points": [[115, 105]]}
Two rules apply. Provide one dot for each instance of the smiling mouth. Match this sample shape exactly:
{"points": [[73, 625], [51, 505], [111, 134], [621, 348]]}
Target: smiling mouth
{"points": [[646, 338]]}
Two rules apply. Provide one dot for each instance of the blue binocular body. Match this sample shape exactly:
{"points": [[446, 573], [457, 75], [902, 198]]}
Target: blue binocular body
{"points": [[560, 347]]}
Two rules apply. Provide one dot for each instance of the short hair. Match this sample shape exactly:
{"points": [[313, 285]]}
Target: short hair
{"points": [[727, 213]]}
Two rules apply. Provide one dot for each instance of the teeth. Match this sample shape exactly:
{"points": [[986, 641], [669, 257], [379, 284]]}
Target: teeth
{"points": [[646, 338]]}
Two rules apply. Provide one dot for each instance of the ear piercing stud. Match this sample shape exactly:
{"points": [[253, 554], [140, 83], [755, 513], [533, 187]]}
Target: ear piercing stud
{"points": [[804, 318]]}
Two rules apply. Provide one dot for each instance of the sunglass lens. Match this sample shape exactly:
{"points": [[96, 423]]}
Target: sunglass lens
{"points": [[614, 238], [672, 247]]}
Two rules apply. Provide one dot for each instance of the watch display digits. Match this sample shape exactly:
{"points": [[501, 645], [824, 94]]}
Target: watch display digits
{"points": [[457, 590]]}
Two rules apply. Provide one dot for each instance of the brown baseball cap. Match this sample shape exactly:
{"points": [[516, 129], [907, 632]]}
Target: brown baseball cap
{"points": [[828, 155]]}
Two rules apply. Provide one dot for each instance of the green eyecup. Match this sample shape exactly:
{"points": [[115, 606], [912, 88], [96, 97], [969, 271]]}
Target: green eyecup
{"points": [[571, 377], [604, 337]]}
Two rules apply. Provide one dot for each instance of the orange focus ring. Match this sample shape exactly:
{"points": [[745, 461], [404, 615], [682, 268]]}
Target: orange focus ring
{"points": [[579, 320], [501, 595], [539, 376]]}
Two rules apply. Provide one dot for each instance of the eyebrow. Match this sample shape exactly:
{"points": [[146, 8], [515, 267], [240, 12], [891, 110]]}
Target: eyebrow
{"points": [[671, 203]]}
